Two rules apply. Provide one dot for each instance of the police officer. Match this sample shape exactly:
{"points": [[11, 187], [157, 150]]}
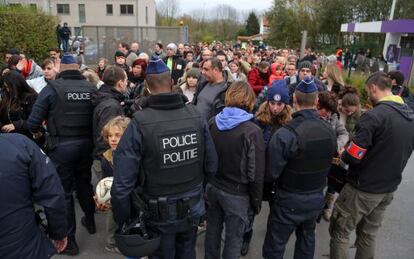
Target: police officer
{"points": [[167, 144], [298, 159], [379, 151], [66, 105], [28, 176]]}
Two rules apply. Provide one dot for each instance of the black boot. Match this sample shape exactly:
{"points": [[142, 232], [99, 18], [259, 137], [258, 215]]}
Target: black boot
{"points": [[89, 223], [246, 242], [72, 248]]}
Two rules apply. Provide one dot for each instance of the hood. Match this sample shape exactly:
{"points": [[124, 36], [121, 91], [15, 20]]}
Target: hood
{"points": [[398, 104], [104, 93], [274, 67], [231, 117]]}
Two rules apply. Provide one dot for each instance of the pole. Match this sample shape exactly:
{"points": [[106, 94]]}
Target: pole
{"points": [[387, 35], [352, 61], [394, 2], [303, 44]]}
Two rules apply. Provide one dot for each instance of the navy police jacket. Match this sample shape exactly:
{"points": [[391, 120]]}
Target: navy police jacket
{"points": [[130, 160], [28, 176]]}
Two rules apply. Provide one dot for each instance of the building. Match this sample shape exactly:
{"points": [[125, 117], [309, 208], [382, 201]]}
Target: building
{"points": [[77, 13], [398, 47]]}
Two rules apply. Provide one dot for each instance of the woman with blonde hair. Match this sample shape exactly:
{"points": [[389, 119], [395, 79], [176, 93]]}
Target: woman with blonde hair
{"points": [[275, 111], [235, 191], [333, 76]]}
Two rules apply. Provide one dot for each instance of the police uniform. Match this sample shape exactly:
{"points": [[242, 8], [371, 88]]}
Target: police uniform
{"points": [[28, 176], [298, 159], [168, 147], [66, 105]]}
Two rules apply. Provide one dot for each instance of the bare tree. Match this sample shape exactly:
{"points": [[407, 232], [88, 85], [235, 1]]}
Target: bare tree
{"points": [[168, 10]]}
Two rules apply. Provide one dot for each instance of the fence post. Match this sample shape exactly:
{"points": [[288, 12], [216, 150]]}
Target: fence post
{"points": [[97, 42]]}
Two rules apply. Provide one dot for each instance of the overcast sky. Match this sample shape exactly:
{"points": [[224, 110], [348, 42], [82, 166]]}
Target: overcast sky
{"points": [[241, 5]]}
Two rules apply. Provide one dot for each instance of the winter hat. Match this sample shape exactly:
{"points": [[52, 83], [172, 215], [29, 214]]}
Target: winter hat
{"points": [[156, 66], [307, 86], [304, 64], [194, 72], [119, 53], [172, 46], [68, 62], [278, 92], [13, 51]]}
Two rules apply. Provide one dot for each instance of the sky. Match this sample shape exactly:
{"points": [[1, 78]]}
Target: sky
{"points": [[241, 5]]}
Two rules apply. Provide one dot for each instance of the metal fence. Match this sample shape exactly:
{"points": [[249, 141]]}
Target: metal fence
{"points": [[102, 41]]}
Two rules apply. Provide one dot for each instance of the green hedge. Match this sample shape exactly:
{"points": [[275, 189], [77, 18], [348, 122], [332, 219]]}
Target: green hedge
{"points": [[27, 29]]}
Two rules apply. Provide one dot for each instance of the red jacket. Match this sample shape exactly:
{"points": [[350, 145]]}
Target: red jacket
{"points": [[256, 81]]}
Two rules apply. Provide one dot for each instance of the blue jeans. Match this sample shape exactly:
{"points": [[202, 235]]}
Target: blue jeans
{"points": [[65, 45], [229, 210]]}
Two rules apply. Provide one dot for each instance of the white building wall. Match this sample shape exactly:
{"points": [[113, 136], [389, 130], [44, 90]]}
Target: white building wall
{"points": [[95, 11]]}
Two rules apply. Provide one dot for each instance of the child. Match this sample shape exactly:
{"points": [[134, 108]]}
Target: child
{"points": [[327, 109], [189, 87], [349, 109], [112, 133]]}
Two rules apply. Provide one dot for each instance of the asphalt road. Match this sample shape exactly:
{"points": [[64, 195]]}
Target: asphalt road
{"points": [[395, 238]]}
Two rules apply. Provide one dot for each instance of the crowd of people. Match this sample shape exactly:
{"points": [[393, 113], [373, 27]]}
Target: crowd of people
{"points": [[203, 134]]}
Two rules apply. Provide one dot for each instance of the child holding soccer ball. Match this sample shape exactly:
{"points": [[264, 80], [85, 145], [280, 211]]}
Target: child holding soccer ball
{"points": [[112, 133]]}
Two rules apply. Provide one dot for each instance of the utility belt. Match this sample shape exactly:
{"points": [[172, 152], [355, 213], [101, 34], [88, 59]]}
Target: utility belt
{"points": [[161, 209], [53, 141]]}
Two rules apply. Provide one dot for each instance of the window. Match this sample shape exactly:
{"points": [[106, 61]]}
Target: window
{"points": [[82, 15], [146, 14], [109, 9], [15, 5], [33, 6], [127, 9], [63, 8]]}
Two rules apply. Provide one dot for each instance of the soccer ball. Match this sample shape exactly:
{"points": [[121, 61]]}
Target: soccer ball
{"points": [[103, 190]]}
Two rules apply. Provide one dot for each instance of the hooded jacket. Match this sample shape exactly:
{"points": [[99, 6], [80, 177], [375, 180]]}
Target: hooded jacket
{"points": [[381, 147], [241, 151], [108, 104], [258, 80]]}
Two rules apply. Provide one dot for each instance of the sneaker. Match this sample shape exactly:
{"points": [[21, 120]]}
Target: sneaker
{"points": [[72, 247], [112, 248], [89, 223]]}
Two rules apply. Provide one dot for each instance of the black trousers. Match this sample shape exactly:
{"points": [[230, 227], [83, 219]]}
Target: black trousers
{"points": [[73, 163]]}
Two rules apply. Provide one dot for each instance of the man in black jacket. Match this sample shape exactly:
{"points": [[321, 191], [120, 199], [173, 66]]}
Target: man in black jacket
{"points": [[377, 155], [108, 103], [28, 176], [64, 34], [211, 90], [174, 62]]}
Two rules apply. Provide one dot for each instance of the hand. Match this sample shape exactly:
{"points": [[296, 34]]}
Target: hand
{"points": [[60, 245], [37, 135], [100, 206], [8, 128]]}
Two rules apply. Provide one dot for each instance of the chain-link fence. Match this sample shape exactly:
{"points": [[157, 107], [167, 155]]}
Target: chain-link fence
{"points": [[103, 41]]}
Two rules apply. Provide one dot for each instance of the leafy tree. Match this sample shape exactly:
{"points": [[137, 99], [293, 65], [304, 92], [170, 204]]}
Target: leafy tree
{"points": [[252, 24], [28, 30]]}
